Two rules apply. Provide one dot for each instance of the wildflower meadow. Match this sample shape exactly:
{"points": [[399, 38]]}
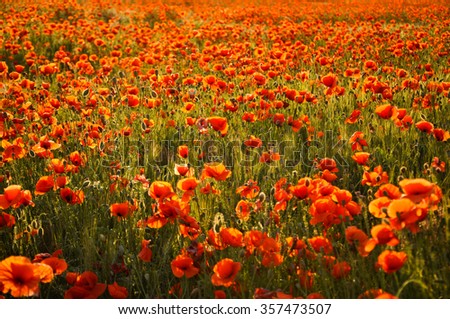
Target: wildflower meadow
{"points": [[224, 149]]}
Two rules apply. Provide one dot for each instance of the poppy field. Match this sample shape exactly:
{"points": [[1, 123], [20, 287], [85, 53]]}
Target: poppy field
{"points": [[224, 149]]}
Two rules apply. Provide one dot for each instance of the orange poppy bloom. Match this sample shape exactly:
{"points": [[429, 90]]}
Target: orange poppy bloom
{"points": [[323, 211], [44, 185], [329, 80], [58, 265], [122, 210], [13, 151], [391, 261], [21, 278], [441, 135], [86, 286], [378, 207], [425, 126], [243, 209], [438, 165], [328, 176], [117, 292], [341, 270], [146, 253], [225, 272], [7, 220], [184, 170], [183, 151], [417, 189], [357, 141], [249, 190], [386, 111], [12, 193], [253, 239], [232, 237], [13, 196], [72, 197], [216, 171], [160, 190], [329, 164], [321, 244], [375, 178], [353, 118], [306, 278], [45, 147], [404, 213], [219, 124], [155, 221], [361, 158], [62, 181], [253, 142], [183, 266], [389, 191], [209, 189], [272, 259], [269, 157], [58, 165], [376, 294], [77, 158], [383, 235], [356, 236], [220, 294], [187, 184]]}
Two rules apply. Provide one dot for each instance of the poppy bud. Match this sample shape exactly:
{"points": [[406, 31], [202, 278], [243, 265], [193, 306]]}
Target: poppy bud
{"points": [[403, 170], [400, 178], [262, 197]]}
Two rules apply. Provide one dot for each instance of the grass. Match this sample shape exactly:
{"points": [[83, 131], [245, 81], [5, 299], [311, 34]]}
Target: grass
{"points": [[178, 41]]}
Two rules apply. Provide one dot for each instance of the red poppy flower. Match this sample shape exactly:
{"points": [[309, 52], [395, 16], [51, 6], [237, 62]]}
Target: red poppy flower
{"points": [[225, 272], [21, 278], [425, 126], [321, 244], [329, 164], [159, 190], [183, 151], [146, 253], [253, 142], [216, 171], [219, 124], [361, 158], [183, 265], [386, 111], [122, 210], [13, 151], [375, 178], [329, 80], [232, 237], [341, 270], [44, 185], [383, 235], [117, 292], [391, 261], [72, 197], [86, 286]]}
